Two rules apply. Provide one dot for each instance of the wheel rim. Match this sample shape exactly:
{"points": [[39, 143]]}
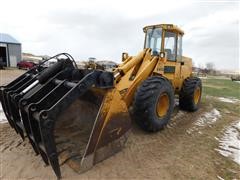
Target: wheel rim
{"points": [[197, 93], [162, 105]]}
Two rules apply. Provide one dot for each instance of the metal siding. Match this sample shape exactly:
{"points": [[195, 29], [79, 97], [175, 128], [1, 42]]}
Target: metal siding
{"points": [[15, 54]]}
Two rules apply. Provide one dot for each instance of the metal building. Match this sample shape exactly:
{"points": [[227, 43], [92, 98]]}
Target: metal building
{"points": [[10, 50]]}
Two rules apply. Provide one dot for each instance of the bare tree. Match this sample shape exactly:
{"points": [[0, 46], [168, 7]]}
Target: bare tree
{"points": [[210, 67]]}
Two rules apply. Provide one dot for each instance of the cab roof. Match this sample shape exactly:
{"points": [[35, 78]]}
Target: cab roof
{"points": [[170, 27]]}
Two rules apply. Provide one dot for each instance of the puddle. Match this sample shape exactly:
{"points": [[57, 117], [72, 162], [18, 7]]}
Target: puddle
{"points": [[229, 144]]}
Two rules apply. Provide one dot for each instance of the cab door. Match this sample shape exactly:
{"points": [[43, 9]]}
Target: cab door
{"points": [[172, 66]]}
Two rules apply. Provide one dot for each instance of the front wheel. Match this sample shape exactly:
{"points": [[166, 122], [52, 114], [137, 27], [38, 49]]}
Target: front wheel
{"points": [[153, 103]]}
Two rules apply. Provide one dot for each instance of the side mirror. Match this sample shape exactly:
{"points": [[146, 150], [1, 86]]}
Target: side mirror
{"points": [[124, 56]]}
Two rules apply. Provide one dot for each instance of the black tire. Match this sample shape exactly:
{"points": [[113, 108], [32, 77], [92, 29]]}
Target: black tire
{"points": [[186, 96], [146, 102]]}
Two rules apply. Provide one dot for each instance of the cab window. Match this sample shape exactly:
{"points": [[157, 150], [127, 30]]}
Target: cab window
{"points": [[179, 48], [170, 45], [154, 40]]}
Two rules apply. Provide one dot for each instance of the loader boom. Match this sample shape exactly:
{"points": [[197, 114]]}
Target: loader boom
{"points": [[133, 73]]}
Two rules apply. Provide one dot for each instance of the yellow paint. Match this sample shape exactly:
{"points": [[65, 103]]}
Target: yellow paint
{"points": [[163, 105], [197, 94], [169, 27]]}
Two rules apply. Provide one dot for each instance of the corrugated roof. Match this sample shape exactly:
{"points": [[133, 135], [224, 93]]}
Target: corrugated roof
{"points": [[6, 38]]}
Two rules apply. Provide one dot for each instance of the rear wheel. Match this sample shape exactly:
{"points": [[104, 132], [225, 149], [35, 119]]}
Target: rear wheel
{"points": [[153, 103], [190, 95]]}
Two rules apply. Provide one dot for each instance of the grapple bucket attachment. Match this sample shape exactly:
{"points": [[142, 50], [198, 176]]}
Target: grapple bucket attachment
{"points": [[69, 115]]}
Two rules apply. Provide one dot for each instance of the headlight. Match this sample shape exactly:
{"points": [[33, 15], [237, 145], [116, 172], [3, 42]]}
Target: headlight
{"points": [[162, 54]]}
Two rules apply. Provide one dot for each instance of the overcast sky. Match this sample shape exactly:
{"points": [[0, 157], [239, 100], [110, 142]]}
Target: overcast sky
{"points": [[106, 28]]}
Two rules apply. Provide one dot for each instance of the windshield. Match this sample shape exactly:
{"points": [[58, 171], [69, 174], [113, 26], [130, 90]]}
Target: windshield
{"points": [[154, 40]]}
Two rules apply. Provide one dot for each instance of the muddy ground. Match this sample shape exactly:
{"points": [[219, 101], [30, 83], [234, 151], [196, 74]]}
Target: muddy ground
{"points": [[185, 149]]}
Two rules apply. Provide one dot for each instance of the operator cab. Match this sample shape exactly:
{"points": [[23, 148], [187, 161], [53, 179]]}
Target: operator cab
{"points": [[165, 40]]}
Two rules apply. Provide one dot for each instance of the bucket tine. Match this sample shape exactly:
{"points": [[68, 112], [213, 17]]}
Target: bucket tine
{"points": [[49, 145], [33, 114], [11, 105], [4, 106], [48, 117], [16, 114]]}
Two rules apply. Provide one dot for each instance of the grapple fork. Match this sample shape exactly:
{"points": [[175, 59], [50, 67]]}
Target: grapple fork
{"points": [[69, 115]]}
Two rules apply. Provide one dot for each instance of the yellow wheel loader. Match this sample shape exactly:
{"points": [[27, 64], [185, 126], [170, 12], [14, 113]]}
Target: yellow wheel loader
{"points": [[82, 116]]}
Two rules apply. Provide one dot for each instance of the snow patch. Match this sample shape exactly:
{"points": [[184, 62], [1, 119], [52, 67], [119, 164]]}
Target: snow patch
{"points": [[228, 100], [179, 115], [207, 118], [220, 178], [3, 118], [229, 144], [224, 99], [203, 77]]}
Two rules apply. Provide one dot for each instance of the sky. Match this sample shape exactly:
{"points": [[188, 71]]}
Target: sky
{"points": [[106, 28]]}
